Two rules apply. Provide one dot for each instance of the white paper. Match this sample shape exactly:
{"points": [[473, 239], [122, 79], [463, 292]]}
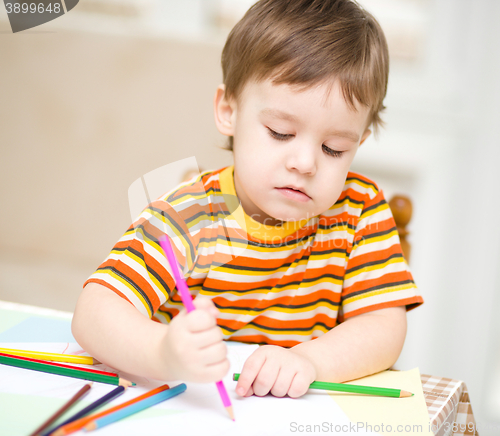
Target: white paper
{"points": [[197, 411]]}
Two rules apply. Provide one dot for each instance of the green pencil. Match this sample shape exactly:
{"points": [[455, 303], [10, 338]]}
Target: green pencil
{"points": [[356, 389], [68, 372]]}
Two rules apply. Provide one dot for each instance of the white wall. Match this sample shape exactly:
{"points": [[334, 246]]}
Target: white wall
{"points": [[443, 130]]}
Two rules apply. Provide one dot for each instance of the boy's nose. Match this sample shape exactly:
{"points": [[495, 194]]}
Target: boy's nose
{"points": [[302, 159]]}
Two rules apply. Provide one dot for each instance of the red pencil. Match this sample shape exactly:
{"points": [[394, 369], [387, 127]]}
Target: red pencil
{"points": [[45, 362]]}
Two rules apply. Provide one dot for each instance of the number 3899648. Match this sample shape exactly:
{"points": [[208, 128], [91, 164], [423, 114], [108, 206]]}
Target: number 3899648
{"points": [[33, 8]]}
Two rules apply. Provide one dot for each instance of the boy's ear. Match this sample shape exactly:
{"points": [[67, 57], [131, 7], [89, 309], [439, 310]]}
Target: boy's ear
{"points": [[365, 135], [223, 112]]}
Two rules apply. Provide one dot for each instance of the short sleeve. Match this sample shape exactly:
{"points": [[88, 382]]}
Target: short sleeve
{"points": [[377, 275], [137, 269]]}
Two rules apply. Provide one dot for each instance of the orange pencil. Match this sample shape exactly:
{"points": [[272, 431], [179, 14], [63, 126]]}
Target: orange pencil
{"points": [[79, 424]]}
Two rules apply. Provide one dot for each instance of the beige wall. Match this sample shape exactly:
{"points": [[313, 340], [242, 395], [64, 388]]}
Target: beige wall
{"points": [[82, 116]]}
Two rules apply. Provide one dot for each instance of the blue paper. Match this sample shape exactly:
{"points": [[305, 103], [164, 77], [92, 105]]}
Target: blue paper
{"points": [[39, 329]]}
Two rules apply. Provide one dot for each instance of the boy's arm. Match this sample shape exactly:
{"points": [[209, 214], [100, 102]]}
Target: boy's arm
{"points": [[360, 346], [111, 329]]}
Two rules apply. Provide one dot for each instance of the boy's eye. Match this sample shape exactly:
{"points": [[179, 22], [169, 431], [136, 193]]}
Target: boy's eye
{"points": [[284, 137], [278, 136], [330, 152]]}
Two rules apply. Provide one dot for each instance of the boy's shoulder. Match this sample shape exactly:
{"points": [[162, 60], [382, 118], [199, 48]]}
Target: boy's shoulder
{"points": [[358, 185], [198, 187], [359, 195]]}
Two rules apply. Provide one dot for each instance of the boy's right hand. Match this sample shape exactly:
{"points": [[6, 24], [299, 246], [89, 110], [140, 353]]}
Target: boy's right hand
{"points": [[193, 347]]}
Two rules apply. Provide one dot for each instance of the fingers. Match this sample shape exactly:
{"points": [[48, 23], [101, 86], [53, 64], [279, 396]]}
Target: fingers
{"points": [[265, 380], [198, 320], [206, 304], [299, 385], [202, 319], [268, 378], [214, 372], [194, 344], [275, 370], [274, 379], [202, 373], [213, 354], [249, 372], [208, 337], [283, 382]]}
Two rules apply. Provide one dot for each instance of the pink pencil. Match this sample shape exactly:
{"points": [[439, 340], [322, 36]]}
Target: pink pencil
{"points": [[188, 304]]}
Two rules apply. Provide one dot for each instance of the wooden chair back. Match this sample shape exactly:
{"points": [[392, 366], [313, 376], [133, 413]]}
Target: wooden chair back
{"points": [[402, 209]]}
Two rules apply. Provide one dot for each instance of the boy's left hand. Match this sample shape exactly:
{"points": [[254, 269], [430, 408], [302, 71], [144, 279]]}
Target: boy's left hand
{"points": [[278, 370]]}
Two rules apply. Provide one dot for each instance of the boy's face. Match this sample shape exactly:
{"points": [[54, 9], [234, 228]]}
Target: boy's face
{"points": [[284, 138]]}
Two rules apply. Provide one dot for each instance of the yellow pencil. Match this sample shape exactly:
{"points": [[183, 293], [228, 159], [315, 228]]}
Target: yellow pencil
{"points": [[52, 357]]}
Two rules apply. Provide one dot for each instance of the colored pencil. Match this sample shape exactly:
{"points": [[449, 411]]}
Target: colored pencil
{"points": [[356, 389], [90, 408], [63, 409], [136, 407], [51, 357], [51, 368], [80, 423], [188, 304], [60, 365]]}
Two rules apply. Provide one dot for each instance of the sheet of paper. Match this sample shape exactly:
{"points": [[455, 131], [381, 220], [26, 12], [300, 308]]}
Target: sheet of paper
{"points": [[199, 410], [389, 415], [20, 323]]}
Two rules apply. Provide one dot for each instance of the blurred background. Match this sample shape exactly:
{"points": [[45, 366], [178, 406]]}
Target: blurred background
{"points": [[117, 88]]}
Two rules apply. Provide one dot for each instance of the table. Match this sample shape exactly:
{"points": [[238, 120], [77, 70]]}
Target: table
{"points": [[449, 407], [447, 400]]}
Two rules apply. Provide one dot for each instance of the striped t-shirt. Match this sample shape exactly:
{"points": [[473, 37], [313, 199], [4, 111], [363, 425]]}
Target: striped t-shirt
{"points": [[279, 285]]}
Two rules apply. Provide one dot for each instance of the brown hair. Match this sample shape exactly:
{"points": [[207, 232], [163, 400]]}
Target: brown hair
{"points": [[308, 42]]}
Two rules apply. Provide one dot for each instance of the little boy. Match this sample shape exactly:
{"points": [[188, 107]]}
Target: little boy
{"points": [[321, 282]]}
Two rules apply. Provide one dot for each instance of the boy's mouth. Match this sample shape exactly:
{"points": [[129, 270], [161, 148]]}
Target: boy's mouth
{"points": [[294, 192], [295, 188]]}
